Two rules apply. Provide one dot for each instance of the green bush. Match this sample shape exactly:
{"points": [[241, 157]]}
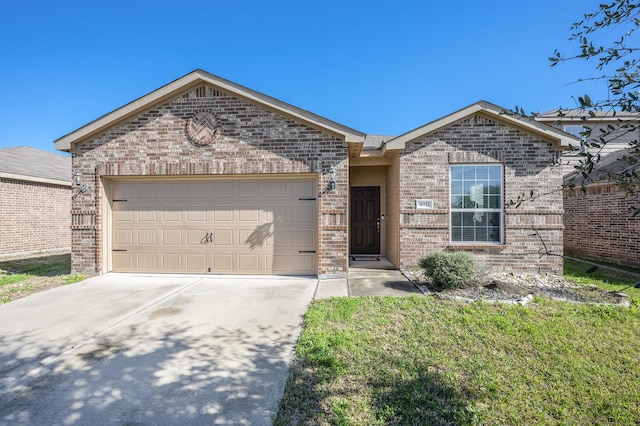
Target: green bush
{"points": [[449, 270]]}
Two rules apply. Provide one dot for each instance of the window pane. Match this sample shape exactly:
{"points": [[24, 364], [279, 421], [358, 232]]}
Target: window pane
{"points": [[474, 189], [469, 173], [457, 173], [495, 173], [494, 187], [456, 219], [468, 234], [482, 173]]}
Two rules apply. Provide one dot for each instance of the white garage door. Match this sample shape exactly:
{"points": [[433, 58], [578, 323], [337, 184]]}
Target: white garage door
{"points": [[219, 227]]}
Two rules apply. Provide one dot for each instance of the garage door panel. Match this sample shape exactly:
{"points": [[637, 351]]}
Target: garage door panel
{"points": [[147, 214], [148, 190], [303, 238], [197, 214], [196, 190], [276, 214], [172, 190], [223, 263], [248, 189], [196, 262], [123, 216], [246, 227], [123, 237], [147, 237], [223, 237], [302, 213], [223, 189], [122, 261], [223, 214], [278, 238], [123, 191], [173, 215], [249, 214], [171, 237], [147, 261], [303, 189], [198, 237], [276, 189], [248, 263], [172, 261], [302, 262]]}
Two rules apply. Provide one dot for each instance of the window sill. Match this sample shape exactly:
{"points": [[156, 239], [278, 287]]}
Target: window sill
{"points": [[463, 246]]}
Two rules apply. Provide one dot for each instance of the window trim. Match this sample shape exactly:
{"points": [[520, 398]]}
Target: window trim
{"points": [[500, 210]]}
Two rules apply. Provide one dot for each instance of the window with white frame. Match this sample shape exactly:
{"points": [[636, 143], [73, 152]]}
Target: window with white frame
{"points": [[575, 130], [476, 203]]}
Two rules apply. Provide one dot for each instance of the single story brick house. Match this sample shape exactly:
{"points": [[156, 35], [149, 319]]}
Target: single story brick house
{"points": [[35, 202], [206, 176], [598, 222]]}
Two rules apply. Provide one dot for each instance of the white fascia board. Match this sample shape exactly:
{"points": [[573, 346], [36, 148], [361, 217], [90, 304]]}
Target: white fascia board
{"points": [[488, 110], [187, 83]]}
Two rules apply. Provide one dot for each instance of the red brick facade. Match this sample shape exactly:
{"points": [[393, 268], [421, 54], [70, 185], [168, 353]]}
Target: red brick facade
{"points": [[598, 225], [34, 217], [260, 136], [424, 174], [253, 141]]}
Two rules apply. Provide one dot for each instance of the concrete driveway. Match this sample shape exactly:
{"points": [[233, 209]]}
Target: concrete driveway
{"points": [[133, 349]]}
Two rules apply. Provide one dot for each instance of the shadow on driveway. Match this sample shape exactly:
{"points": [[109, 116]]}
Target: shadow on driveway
{"points": [[208, 351]]}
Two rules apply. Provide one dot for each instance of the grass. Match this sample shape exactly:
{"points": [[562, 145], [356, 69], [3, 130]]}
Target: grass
{"points": [[420, 360], [22, 277], [608, 279]]}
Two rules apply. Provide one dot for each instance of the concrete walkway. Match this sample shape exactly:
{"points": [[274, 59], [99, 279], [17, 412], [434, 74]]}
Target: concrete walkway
{"points": [[367, 278]]}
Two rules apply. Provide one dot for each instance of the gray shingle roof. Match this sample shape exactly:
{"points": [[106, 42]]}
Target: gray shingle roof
{"points": [[612, 163], [36, 163]]}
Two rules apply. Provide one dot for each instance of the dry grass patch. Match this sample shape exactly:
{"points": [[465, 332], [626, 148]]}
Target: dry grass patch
{"points": [[22, 277]]}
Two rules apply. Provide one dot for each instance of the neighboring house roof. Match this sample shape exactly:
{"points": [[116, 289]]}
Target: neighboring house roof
{"points": [[494, 112], [614, 163], [32, 164], [189, 82], [557, 115]]}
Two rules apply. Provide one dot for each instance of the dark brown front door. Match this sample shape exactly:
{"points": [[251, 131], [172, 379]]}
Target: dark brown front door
{"points": [[365, 220]]}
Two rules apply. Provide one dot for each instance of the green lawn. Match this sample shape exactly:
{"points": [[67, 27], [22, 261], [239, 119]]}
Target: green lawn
{"points": [[608, 279], [421, 361], [22, 277]]}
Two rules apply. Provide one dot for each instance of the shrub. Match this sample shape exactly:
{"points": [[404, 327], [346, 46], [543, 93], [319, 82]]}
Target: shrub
{"points": [[449, 270]]}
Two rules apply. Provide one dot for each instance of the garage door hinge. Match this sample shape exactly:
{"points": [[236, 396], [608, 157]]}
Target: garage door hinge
{"points": [[119, 200], [306, 251], [307, 199]]}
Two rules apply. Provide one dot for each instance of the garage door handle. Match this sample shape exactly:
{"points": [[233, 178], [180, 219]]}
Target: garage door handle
{"points": [[306, 251], [119, 250]]}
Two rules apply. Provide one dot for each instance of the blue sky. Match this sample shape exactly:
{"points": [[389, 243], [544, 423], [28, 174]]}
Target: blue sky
{"points": [[379, 67]]}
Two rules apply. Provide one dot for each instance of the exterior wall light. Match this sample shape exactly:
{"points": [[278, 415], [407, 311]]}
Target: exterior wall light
{"points": [[332, 178], [77, 181]]}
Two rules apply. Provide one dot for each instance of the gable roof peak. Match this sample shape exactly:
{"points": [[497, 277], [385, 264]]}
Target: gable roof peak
{"points": [[189, 82], [492, 111]]}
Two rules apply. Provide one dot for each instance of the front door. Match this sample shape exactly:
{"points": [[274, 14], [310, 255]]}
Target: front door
{"points": [[365, 220]]}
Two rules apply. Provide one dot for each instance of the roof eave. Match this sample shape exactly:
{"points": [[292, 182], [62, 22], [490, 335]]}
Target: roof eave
{"points": [[186, 84], [561, 139]]}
